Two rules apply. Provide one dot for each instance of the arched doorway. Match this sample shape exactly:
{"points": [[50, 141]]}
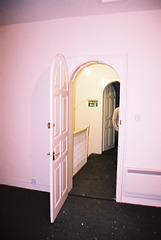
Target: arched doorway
{"points": [[89, 83], [119, 62], [89, 86]]}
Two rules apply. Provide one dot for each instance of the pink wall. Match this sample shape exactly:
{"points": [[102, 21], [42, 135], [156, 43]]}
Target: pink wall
{"points": [[28, 50]]}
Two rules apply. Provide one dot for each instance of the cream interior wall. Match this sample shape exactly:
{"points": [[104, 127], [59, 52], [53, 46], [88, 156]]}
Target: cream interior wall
{"points": [[28, 50], [90, 83]]}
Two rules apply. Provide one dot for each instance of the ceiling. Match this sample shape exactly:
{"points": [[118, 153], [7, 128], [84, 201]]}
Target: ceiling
{"points": [[22, 11]]}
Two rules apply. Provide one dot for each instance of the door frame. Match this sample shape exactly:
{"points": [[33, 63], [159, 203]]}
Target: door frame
{"points": [[119, 64]]}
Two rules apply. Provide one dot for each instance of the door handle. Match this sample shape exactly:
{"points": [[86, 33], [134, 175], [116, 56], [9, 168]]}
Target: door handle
{"points": [[49, 125], [54, 155]]}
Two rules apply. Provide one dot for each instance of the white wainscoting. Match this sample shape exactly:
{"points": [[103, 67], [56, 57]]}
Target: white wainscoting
{"points": [[80, 148]]}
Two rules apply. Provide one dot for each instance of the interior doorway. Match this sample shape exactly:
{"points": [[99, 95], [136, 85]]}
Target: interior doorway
{"points": [[119, 64], [93, 86], [89, 85], [60, 84]]}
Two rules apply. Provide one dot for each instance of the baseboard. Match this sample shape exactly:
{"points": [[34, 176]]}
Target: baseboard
{"points": [[36, 187], [141, 201]]}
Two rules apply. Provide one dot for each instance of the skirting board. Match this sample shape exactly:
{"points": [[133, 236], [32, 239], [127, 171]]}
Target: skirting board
{"points": [[36, 187], [141, 201]]}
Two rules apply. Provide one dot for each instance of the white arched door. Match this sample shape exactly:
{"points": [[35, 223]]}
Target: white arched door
{"points": [[109, 98], [59, 135]]}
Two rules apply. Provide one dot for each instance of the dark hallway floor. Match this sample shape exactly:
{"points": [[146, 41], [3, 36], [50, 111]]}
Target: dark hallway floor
{"points": [[86, 215], [24, 215], [97, 178]]}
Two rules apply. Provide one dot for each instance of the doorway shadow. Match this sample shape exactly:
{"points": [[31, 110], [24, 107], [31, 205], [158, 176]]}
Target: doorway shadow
{"points": [[97, 178]]}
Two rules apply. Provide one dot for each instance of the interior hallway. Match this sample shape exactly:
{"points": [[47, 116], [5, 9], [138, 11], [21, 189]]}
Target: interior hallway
{"points": [[97, 178]]}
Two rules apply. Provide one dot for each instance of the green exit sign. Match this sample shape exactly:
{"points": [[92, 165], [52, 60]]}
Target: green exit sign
{"points": [[93, 103]]}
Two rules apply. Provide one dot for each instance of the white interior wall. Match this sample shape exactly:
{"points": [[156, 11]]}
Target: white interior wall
{"points": [[90, 83], [28, 50]]}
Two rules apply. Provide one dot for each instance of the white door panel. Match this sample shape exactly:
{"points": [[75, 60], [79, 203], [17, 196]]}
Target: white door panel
{"points": [[58, 135], [109, 106]]}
